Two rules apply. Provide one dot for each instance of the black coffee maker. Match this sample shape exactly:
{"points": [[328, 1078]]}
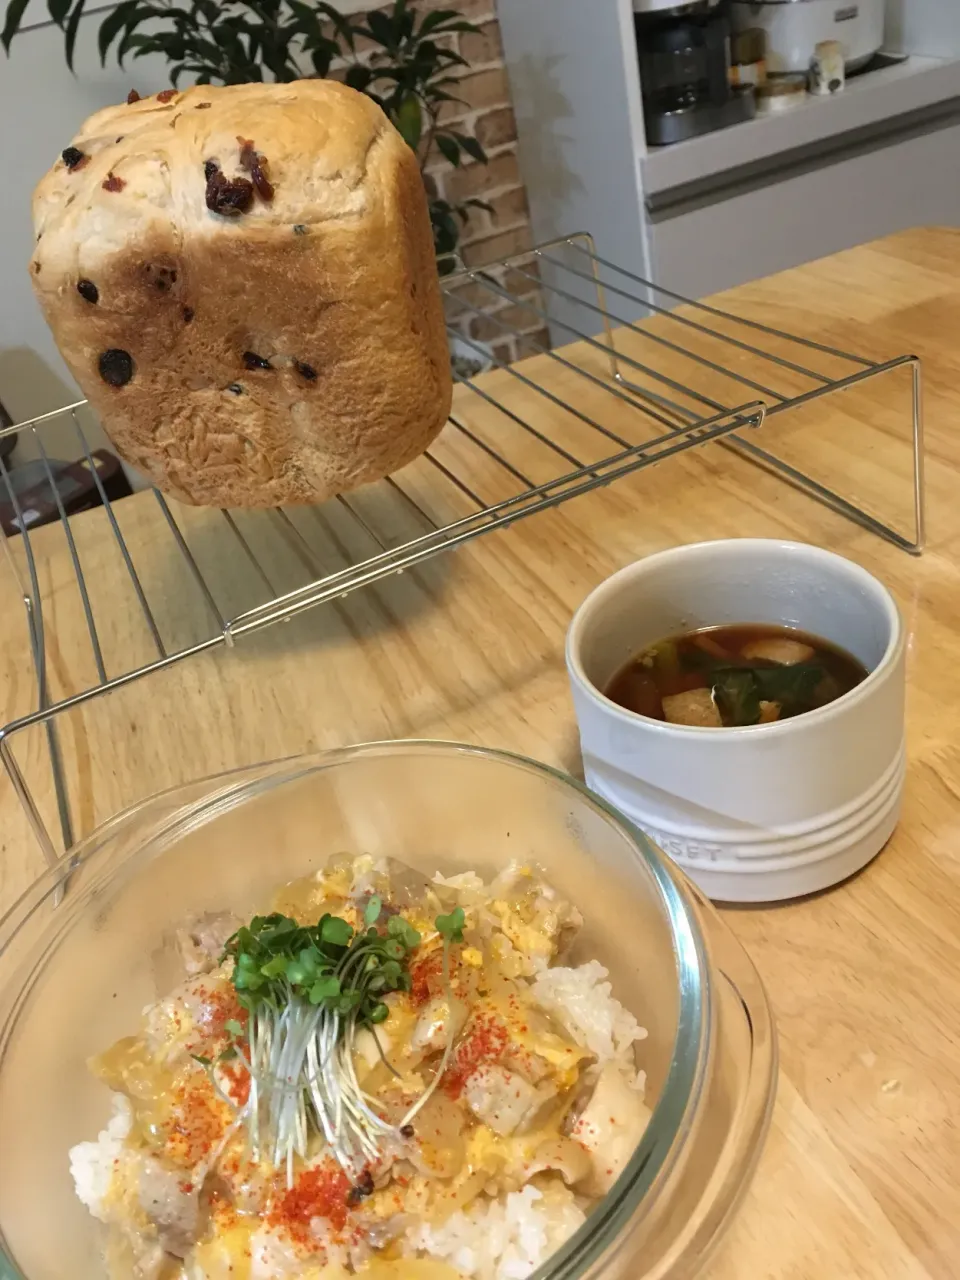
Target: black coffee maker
{"points": [[685, 69]]}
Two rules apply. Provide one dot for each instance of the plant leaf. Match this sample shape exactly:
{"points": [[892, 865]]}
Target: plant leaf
{"points": [[737, 696], [371, 913], [343, 28], [451, 926], [276, 968], [15, 12], [409, 121], [794, 687], [326, 988], [449, 147], [73, 26], [112, 25], [449, 19], [358, 77], [472, 148], [336, 931], [380, 29], [399, 928]]}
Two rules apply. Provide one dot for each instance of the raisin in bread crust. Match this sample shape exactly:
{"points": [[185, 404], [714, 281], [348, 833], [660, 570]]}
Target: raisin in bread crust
{"points": [[285, 354]]}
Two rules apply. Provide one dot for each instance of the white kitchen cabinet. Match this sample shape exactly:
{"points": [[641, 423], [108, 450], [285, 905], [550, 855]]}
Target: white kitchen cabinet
{"points": [[754, 230], [742, 202]]}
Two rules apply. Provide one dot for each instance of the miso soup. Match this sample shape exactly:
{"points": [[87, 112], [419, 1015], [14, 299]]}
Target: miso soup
{"points": [[721, 677]]}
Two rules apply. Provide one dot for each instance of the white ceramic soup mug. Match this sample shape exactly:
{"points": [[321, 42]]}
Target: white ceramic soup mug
{"points": [[769, 811]]}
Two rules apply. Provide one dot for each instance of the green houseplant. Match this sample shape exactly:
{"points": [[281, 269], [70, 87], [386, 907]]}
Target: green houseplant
{"points": [[407, 64]]}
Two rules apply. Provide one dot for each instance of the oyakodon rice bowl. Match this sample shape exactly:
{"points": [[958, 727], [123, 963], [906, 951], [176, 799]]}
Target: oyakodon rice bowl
{"points": [[385, 1076]]}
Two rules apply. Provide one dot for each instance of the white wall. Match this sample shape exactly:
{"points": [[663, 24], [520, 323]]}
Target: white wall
{"points": [[924, 26], [41, 107]]}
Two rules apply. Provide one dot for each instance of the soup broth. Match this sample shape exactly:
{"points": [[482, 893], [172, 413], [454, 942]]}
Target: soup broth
{"points": [[721, 677]]}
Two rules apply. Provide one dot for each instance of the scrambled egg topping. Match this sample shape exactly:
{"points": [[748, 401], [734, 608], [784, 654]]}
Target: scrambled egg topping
{"points": [[187, 1199]]}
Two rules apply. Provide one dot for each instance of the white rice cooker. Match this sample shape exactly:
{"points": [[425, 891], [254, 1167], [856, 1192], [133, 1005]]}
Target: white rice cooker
{"points": [[795, 27]]}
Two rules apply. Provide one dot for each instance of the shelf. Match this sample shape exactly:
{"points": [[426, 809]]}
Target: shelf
{"points": [[869, 102]]}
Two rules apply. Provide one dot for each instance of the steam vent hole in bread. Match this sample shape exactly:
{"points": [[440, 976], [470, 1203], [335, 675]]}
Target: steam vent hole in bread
{"points": [[243, 283]]}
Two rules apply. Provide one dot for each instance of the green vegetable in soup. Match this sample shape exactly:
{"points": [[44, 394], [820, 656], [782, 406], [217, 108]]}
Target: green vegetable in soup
{"points": [[738, 691]]}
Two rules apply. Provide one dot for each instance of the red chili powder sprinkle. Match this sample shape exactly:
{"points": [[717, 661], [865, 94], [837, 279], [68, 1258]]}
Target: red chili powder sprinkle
{"points": [[317, 1193], [220, 1007], [486, 1040], [197, 1124], [426, 975], [238, 1083]]}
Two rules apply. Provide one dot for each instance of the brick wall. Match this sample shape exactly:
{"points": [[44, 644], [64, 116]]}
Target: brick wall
{"points": [[490, 237], [509, 328]]}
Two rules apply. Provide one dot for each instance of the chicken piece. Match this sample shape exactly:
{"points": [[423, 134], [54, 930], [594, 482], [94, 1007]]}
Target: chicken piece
{"points": [[404, 1269], [779, 649], [154, 1263], [526, 1062], [769, 711], [437, 1148], [130, 1254], [609, 1128], [552, 1154], [172, 1205], [273, 1255], [537, 921], [193, 1014], [440, 1019], [504, 1101], [202, 939], [695, 707], [366, 1054], [225, 1253], [536, 1046]]}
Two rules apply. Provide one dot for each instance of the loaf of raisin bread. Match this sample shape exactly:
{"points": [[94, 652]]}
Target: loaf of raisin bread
{"points": [[243, 282]]}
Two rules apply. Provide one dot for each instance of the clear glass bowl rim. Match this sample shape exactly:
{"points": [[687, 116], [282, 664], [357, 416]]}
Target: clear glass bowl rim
{"points": [[677, 1104]]}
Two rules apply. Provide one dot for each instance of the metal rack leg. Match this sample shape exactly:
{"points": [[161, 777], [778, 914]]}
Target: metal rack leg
{"points": [[51, 857], [34, 612], [830, 497]]}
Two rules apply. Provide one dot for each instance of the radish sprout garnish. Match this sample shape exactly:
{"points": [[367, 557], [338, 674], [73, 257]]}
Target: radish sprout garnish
{"points": [[308, 991]]}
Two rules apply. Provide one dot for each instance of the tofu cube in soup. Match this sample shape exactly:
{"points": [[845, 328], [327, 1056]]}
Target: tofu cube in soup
{"points": [[778, 649], [695, 707]]}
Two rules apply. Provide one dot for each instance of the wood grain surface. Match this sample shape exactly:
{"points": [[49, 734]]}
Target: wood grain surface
{"points": [[861, 1175]]}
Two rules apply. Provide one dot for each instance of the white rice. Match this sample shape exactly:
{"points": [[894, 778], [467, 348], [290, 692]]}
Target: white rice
{"points": [[502, 1239], [583, 1003], [92, 1163]]}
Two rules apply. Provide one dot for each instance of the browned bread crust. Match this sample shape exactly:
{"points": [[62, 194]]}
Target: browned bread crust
{"points": [[285, 353]]}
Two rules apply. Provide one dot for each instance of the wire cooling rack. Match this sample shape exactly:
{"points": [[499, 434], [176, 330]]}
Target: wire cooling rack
{"points": [[631, 374]]}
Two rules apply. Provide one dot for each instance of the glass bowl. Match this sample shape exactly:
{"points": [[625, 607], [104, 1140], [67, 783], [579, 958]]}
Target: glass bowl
{"points": [[75, 974]]}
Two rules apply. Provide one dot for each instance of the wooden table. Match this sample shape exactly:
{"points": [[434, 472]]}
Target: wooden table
{"points": [[861, 1174]]}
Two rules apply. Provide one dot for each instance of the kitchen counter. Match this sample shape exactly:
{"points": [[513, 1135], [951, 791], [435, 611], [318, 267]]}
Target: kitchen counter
{"points": [[860, 1178]]}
